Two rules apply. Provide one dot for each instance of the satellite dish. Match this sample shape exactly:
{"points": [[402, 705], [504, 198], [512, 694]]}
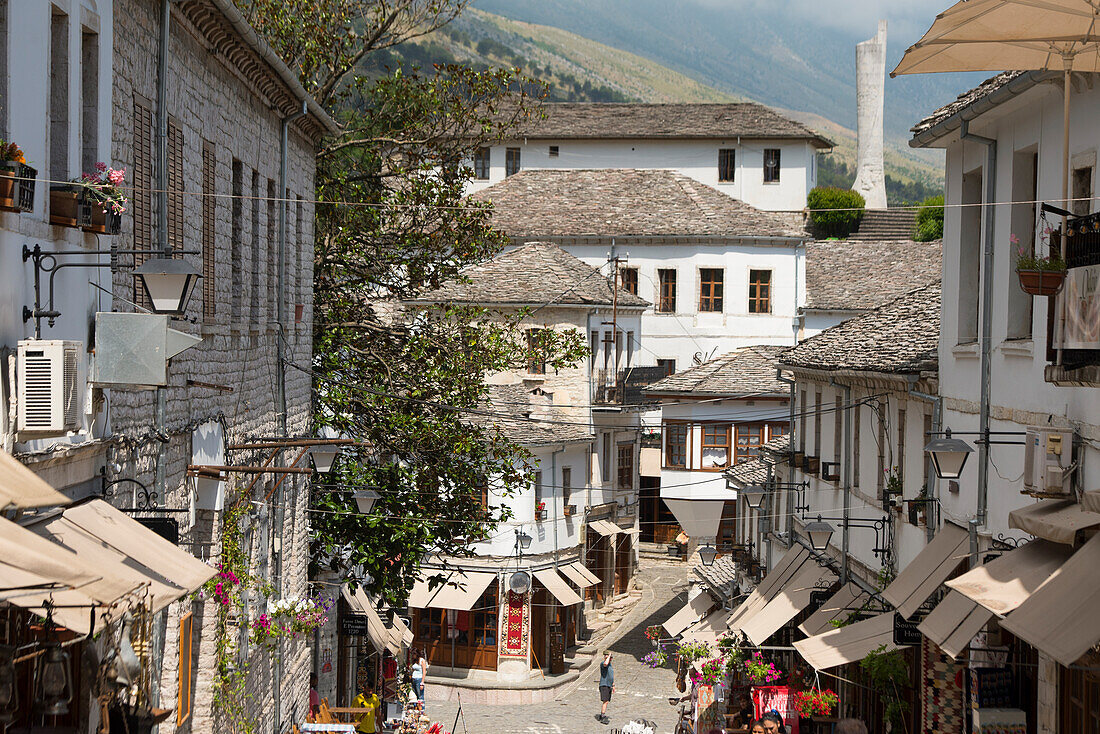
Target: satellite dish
{"points": [[519, 582]]}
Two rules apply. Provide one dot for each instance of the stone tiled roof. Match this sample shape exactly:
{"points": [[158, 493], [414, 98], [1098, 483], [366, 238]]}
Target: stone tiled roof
{"points": [[581, 120], [778, 445], [534, 273], [849, 275], [718, 576], [624, 202], [521, 415], [745, 371], [964, 100], [898, 337], [752, 471]]}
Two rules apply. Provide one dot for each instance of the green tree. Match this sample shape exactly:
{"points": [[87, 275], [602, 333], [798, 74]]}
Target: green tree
{"points": [[930, 220], [405, 381]]}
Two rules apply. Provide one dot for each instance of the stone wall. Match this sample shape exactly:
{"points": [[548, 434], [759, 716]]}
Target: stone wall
{"points": [[1047, 702], [211, 104]]}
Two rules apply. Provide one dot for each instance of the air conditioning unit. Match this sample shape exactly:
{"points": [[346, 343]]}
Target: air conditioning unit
{"points": [[49, 396], [1048, 453]]}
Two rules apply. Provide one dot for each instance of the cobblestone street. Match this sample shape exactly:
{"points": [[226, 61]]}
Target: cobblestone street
{"points": [[641, 692]]}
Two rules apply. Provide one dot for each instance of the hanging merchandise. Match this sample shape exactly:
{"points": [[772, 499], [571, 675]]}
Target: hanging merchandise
{"points": [[53, 689], [9, 691]]}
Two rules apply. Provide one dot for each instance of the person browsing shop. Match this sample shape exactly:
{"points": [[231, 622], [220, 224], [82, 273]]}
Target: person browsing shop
{"points": [[369, 701]]}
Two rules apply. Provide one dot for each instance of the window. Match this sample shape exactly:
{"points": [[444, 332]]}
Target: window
{"points": [[771, 165], [236, 241], [969, 264], [536, 351], [760, 291], [802, 410], [666, 301], [676, 444], [553, 151], [272, 232], [856, 410], [89, 100], [628, 280], [538, 488], [838, 428], [1082, 191], [1025, 188], [881, 452], [254, 294], [668, 364], [208, 246], [710, 290], [775, 430], [483, 495], [925, 483], [305, 263], [59, 97], [481, 163], [727, 164], [629, 348], [1080, 700], [175, 186], [566, 484], [626, 466], [511, 161], [605, 459], [594, 347], [183, 685], [749, 437], [817, 424], [716, 445], [142, 204], [901, 444]]}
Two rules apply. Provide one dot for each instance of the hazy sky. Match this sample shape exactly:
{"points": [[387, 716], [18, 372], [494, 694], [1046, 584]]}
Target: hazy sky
{"points": [[908, 18]]}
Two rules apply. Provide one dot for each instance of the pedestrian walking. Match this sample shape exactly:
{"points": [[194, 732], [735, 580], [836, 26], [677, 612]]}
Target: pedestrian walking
{"points": [[607, 687], [773, 723], [369, 701], [419, 673]]}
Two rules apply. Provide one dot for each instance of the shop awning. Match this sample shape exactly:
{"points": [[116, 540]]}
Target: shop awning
{"points": [[579, 575], [920, 579], [557, 586], [380, 636], [604, 527], [848, 644], [773, 583], [22, 488], [1091, 500], [708, 629], [838, 606], [788, 602], [1060, 619], [1058, 521], [460, 591], [689, 614], [401, 632], [996, 587], [632, 532]]}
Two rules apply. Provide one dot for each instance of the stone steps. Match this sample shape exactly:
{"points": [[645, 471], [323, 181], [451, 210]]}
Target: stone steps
{"points": [[888, 224]]}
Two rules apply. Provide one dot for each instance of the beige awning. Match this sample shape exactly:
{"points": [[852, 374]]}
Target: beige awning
{"points": [[1060, 619], [788, 602], [920, 579], [579, 575], [1091, 500], [996, 587], [773, 583], [838, 606], [708, 629], [1058, 521], [557, 586], [380, 636], [689, 614], [604, 527], [401, 632], [460, 591], [22, 488], [632, 532], [848, 644]]}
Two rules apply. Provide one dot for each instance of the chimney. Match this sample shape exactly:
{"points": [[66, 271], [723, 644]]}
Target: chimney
{"points": [[870, 82]]}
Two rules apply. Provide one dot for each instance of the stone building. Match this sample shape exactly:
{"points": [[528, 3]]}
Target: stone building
{"points": [[227, 97]]}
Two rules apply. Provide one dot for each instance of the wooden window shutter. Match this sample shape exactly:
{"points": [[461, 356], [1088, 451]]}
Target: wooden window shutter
{"points": [[209, 202], [143, 187], [175, 186], [184, 693]]}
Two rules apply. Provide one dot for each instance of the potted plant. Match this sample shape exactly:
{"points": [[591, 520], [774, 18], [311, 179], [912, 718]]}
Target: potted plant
{"points": [[1040, 275], [16, 179], [540, 511], [710, 673], [815, 703], [760, 671], [102, 192], [569, 510]]}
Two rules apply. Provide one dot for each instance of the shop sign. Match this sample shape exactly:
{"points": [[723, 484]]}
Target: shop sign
{"points": [[905, 631], [353, 624]]}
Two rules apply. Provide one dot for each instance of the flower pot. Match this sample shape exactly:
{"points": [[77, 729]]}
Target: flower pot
{"points": [[540, 515], [64, 205], [8, 190], [1041, 282], [673, 550], [570, 510], [102, 221]]}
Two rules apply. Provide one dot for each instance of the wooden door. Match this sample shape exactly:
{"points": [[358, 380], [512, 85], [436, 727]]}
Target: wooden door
{"points": [[539, 602], [622, 563]]}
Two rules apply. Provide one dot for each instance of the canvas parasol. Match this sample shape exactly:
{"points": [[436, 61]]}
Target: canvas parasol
{"points": [[1010, 35]]}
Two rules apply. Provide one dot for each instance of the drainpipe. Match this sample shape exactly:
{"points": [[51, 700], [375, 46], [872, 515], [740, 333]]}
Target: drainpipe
{"points": [[160, 412], [554, 478], [847, 468], [937, 419], [790, 432], [990, 174]]}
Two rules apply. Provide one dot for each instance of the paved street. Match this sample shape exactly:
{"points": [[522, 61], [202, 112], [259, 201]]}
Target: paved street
{"points": [[641, 692]]}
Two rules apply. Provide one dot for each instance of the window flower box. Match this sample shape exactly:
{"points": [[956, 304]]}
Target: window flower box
{"points": [[101, 199], [1041, 282], [674, 550], [811, 464], [100, 220], [17, 184], [65, 206], [569, 510], [540, 512]]}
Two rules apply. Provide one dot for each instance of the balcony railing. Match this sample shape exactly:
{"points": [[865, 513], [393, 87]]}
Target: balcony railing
{"points": [[625, 386], [1073, 322]]}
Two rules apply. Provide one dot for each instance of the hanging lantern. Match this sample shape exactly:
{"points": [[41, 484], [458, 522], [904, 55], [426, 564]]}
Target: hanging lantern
{"points": [[707, 554], [9, 691], [53, 685]]}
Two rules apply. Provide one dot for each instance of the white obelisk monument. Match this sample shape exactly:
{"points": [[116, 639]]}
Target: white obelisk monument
{"points": [[870, 93]]}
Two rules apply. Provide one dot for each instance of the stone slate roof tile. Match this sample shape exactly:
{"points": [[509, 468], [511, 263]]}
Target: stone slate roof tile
{"points": [[581, 120], [901, 336], [718, 576], [534, 273], [745, 371], [964, 100], [778, 445], [853, 275], [623, 202], [752, 471], [521, 415]]}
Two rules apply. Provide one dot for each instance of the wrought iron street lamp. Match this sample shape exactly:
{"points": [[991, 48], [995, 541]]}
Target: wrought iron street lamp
{"points": [[365, 499], [754, 495], [168, 283], [324, 456], [949, 455], [707, 554], [819, 532]]}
